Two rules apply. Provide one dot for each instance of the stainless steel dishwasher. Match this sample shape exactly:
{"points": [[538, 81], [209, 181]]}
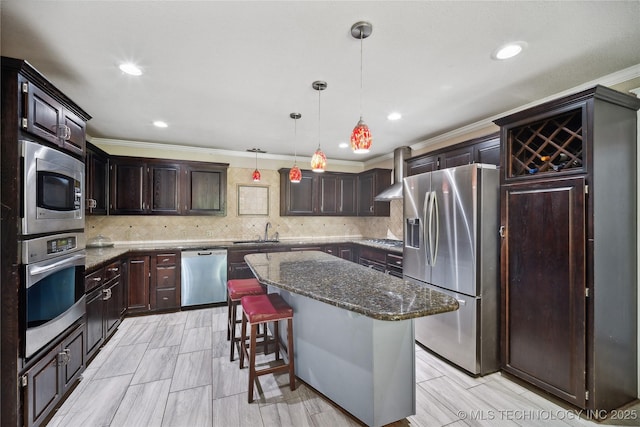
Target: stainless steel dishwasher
{"points": [[204, 276]]}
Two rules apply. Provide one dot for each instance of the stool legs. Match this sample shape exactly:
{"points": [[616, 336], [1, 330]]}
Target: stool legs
{"points": [[253, 373]]}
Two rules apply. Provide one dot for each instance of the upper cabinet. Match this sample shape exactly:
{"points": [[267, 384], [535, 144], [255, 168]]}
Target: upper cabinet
{"points": [[333, 193], [45, 112], [370, 184], [479, 150], [141, 186], [96, 180]]}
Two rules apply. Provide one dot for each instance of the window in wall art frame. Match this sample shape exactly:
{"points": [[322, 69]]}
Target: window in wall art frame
{"points": [[253, 200]]}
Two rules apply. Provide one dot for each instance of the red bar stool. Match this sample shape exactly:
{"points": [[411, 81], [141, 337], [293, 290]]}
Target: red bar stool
{"points": [[259, 310], [236, 289]]}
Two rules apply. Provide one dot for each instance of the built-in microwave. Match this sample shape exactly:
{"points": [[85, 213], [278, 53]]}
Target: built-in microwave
{"points": [[52, 293], [52, 190]]}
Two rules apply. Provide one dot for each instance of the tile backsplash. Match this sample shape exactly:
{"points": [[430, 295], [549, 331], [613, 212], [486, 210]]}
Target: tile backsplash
{"points": [[134, 229]]}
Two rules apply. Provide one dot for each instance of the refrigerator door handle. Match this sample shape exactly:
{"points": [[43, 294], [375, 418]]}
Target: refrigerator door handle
{"points": [[433, 228], [425, 225]]}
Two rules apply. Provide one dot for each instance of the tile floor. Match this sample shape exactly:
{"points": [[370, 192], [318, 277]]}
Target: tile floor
{"points": [[174, 370]]}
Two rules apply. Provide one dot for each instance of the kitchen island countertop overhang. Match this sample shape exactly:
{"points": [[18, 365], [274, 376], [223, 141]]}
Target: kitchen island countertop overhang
{"points": [[348, 285]]}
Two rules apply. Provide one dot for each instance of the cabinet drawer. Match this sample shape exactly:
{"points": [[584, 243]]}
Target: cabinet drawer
{"points": [[166, 277], [93, 280], [166, 259], [166, 299], [112, 271], [394, 261]]}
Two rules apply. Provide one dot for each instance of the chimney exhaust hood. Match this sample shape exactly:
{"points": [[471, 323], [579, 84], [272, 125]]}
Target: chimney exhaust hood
{"points": [[400, 155]]}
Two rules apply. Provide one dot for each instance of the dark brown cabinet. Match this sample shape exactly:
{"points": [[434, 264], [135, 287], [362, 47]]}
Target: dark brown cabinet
{"points": [[138, 280], [204, 189], [48, 118], [46, 382], [104, 307], [165, 281], [569, 253], [370, 183], [142, 186], [478, 150], [319, 194], [380, 260], [96, 180]]}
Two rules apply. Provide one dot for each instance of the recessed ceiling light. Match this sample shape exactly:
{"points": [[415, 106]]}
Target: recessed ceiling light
{"points": [[160, 124], [343, 145], [509, 50], [394, 116], [130, 68]]}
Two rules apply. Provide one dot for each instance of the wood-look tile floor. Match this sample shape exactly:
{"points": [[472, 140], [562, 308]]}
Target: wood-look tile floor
{"points": [[174, 370]]}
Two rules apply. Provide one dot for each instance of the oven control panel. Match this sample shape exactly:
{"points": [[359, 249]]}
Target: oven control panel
{"points": [[52, 246], [61, 244]]}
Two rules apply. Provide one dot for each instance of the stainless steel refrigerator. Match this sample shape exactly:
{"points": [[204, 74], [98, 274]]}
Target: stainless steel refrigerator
{"points": [[451, 244]]}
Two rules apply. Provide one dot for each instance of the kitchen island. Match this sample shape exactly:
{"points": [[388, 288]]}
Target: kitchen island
{"points": [[353, 329]]}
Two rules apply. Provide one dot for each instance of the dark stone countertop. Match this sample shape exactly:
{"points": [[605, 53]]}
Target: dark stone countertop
{"points": [[101, 256], [348, 285]]}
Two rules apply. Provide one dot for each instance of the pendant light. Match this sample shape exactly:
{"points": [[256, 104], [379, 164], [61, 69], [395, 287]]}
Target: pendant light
{"points": [[319, 160], [295, 175], [361, 136], [255, 176]]}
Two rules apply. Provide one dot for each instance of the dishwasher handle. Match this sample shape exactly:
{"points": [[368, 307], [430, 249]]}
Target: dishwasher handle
{"points": [[205, 252]]}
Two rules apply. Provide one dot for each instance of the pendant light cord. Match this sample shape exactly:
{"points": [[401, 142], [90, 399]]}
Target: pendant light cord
{"points": [[361, 34], [319, 92], [295, 139]]}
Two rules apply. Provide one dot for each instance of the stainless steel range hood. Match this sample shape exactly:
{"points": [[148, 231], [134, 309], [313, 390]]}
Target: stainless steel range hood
{"points": [[400, 155]]}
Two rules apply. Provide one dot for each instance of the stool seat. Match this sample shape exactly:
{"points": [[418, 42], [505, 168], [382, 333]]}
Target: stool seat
{"points": [[265, 308], [237, 288]]}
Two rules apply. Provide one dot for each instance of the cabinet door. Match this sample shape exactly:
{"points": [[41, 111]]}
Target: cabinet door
{"points": [[114, 301], [459, 157], [422, 165], [75, 141], [94, 324], [73, 347], [43, 114], [97, 181], [328, 192], [205, 190], [347, 202], [138, 284], [297, 198], [128, 187], [487, 152], [165, 189], [543, 280], [371, 183], [43, 388]]}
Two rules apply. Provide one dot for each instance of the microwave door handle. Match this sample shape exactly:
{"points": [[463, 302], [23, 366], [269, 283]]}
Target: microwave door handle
{"points": [[40, 270]]}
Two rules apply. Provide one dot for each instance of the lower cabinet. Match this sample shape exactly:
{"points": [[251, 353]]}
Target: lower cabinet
{"points": [[165, 281], [46, 382], [381, 260], [105, 305], [138, 280]]}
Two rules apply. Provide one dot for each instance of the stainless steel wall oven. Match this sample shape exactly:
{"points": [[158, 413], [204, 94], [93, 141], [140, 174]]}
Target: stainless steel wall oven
{"points": [[53, 287]]}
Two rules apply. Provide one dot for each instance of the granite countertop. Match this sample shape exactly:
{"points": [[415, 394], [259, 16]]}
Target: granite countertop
{"points": [[348, 285], [98, 256]]}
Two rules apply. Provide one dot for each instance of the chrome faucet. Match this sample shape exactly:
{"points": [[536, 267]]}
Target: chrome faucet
{"points": [[266, 231]]}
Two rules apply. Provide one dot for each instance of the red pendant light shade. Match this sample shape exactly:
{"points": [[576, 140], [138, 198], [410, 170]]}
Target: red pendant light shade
{"points": [[318, 161], [361, 138], [295, 175], [255, 176]]}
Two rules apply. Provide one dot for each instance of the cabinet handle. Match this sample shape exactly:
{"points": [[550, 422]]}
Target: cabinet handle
{"points": [[370, 208], [114, 269], [501, 231], [105, 294], [165, 260], [165, 298], [64, 357], [96, 279]]}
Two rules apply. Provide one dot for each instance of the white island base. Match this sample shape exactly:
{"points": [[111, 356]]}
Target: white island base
{"points": [[364, 365]]}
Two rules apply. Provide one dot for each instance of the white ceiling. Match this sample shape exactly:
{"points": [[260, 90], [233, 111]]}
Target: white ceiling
{"points": [[227, 74]]}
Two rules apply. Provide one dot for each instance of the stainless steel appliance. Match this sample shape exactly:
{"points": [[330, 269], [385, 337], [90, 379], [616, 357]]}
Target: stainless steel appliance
{"points": [[53, 287], [451, 244], [203, 277], [53, 190]]}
